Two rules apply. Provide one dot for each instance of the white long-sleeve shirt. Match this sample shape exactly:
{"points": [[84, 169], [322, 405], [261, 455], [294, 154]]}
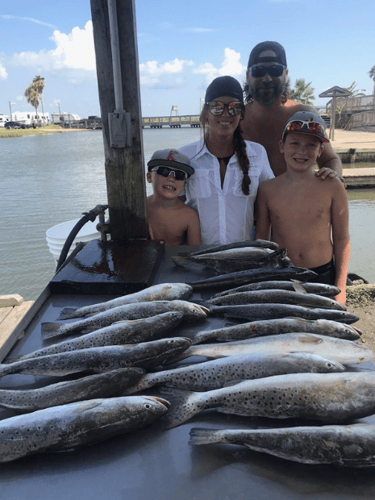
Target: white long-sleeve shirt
{"points": [[226, 214]]}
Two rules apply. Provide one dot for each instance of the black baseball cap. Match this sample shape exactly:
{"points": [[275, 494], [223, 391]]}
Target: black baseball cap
{"points": [[278, 49], [224, 86]]}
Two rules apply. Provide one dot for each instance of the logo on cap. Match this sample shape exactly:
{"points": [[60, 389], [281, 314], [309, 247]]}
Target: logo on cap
{"points": [[170, 156]]}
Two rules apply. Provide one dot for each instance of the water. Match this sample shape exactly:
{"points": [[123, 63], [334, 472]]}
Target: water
{"points": [[50, 179]]}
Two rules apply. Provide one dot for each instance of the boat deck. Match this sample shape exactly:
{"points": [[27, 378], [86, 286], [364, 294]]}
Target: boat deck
{"points": [[160, 464]]}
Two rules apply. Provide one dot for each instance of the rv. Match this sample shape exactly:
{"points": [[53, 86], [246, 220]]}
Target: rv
{"points": [[3, 119], [29, 118]]}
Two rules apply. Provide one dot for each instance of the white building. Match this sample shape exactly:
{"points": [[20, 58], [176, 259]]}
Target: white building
{"points": [[30, 118], [3, 119]]}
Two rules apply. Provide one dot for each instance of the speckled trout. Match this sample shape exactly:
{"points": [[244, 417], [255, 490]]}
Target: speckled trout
{"points": [[277, 297], [342, 445], [292, 285], [278, 326], [162, 291], [122, 332], [227, 371], [192, 312], [100, 359], [76, 424], [342, 351], [327, 397], [101, 385]]}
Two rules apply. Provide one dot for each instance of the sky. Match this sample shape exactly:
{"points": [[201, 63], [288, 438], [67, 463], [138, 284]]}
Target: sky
{"points": [[182, 47]]}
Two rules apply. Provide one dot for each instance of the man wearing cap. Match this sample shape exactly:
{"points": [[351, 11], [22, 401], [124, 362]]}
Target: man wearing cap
{"points": [[268, 108], [169, 219]]}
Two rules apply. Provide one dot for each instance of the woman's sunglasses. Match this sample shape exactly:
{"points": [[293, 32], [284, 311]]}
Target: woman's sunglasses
{"points": [[297, 125], [179, 175], [217, 107], [275, 70]]}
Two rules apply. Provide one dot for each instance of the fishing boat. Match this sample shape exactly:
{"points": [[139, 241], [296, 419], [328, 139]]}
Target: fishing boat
{"points": [[149, 463]]}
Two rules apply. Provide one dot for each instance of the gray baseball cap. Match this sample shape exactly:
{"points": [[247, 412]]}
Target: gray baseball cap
{"points": [[171, 158]]}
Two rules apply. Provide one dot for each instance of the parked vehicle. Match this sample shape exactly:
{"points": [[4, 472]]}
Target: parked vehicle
{"points": [[14, 125]]}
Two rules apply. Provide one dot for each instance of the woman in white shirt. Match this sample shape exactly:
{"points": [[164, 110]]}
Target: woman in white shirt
{"points": [[228, 170]]}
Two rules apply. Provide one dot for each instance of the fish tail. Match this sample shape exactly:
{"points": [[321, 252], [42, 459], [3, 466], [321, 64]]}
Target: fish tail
{"points": [[68, 313], [184, 405], [50, 329], [200, 435]]}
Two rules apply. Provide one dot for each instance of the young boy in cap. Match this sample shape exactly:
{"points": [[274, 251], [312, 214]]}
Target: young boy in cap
{"points": [[308, 217], [169, 219]]}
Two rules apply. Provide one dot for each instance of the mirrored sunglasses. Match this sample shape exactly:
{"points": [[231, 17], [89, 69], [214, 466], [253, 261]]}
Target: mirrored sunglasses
{"points": [[217, 107], [179, 175], [298, 125], [274, 71]]}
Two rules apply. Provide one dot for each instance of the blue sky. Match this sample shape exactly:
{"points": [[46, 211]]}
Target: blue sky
{"points": [[182, 46]]}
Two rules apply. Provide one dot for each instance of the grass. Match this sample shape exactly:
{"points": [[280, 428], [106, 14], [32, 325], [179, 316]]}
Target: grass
{"points": [[48, 129]]}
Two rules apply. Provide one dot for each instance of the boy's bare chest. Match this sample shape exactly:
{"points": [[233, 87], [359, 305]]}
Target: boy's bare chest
{"points": [[306, 204]]}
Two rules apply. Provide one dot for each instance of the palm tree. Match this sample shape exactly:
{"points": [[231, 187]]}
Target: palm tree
{"points": [[371, 74], [34, 92], [302, 92]]}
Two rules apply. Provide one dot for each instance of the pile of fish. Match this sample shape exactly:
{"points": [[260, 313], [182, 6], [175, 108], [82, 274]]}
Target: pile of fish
{"points": [[279, 326]]}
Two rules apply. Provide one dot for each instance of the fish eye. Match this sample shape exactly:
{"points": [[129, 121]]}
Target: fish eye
{"points": [[147, 406]]}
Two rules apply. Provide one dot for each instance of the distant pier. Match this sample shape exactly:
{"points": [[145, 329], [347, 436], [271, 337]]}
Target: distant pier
{"points": [[171, 121]]}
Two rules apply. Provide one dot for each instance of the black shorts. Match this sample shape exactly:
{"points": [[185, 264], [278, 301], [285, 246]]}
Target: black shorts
{"points": [[326, 274]]}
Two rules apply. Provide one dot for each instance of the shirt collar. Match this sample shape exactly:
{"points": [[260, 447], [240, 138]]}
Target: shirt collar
{"points": [[202, 149]]}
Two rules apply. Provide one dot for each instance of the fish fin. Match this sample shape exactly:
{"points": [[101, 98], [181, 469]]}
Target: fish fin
{"points": [[183, 406], [200, 435], [68, 313], [50, 329], [298, 287]]}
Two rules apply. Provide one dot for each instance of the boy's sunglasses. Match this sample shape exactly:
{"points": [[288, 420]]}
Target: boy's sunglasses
{"points": [[301, 124], [217, 107], [179, 175], [275, 70]]}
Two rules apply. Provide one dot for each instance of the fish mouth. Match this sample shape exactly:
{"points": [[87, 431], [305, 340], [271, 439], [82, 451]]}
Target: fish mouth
{"points": [[162, 401]]}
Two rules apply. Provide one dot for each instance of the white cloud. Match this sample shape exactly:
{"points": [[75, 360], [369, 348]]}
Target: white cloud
{"points": [[3, 72], [151, 72], [231, 65], [28, 19], [74, 51]]}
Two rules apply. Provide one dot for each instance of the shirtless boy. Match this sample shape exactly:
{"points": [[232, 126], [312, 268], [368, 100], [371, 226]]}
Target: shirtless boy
{"points": [[268, 108], [308, 217], [169, 219]]}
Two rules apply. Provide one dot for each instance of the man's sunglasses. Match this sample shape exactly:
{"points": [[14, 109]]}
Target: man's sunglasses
{"points": [[217, 107], [179, 175], [275, 70], [298, 125]]}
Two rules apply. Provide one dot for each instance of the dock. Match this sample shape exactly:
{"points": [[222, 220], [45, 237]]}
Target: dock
{"points": [[359, 177], [12, 312]]}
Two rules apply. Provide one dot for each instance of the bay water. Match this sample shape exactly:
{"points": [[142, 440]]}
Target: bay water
{"points": [[46, 180]]}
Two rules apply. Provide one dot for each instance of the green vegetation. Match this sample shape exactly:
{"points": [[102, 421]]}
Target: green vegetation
{"points": [[48, 129], [302, 92]]}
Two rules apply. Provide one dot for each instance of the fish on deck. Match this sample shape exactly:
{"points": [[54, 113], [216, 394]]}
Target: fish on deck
{"points": [[325, 397], [341, 445], [162, 291], [77, 424]]}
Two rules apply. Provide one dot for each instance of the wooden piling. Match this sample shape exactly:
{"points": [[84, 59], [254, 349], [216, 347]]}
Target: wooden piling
{"points": [[125, 171]]}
